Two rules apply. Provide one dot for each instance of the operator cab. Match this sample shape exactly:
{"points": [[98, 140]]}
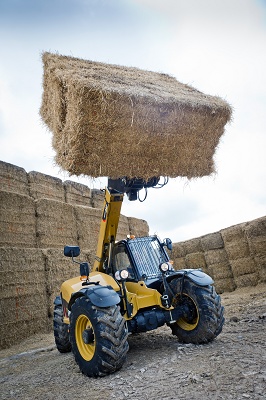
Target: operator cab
{"points": [[141, 257]]}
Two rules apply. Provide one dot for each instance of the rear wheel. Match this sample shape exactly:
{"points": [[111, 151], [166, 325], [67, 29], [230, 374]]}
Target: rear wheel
{"points": [[204, 319], [98, 337], [61, 330]]}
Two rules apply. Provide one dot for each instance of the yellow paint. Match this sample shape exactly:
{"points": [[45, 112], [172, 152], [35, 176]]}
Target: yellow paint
{"points": [[85, 350], [141, 297], [74, 284], [108, 228]]}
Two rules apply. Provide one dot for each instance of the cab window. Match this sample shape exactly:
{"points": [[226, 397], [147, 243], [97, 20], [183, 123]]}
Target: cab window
{"points": [[120, 260]]}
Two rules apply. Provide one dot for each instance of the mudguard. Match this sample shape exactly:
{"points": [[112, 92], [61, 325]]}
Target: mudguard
{"points": [[195, 275], [100, 296]]}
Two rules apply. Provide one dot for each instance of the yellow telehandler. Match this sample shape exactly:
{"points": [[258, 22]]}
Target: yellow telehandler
{"points": [[132, 287]]}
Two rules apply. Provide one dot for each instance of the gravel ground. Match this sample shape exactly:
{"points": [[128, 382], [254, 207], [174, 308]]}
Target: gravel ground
{"points": [[158, 367]]}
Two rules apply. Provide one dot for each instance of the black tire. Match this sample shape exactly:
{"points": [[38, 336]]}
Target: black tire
{"points": [[205, 319], [98, 337], [61, 330]]}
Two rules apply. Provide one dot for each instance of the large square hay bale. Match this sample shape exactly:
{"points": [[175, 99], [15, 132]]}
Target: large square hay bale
{"points": [[243, 266], [216, 256], [97, 198], [56, 224], [178, 250], [13, 179], [88, 226], [233, 234], [212, 241], [45, 186], [17, 220], [23, 299], [196, 260], [123, 228], [256, 235], [138, 227], [109, 120], [77, 193], [192, 246]]}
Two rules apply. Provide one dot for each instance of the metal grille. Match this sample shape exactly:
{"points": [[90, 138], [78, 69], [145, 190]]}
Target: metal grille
{"points": [[147, 254]]}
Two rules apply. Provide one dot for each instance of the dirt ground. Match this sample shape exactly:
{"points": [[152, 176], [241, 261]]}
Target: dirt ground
{"points": [[158, 367]]}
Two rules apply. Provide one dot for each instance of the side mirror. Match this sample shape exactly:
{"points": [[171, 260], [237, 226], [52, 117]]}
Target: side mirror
{"points": [[168, 243], [84, 269], [71, 251]]}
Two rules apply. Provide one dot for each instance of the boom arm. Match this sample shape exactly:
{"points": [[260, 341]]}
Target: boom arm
{"points": [[108, 228]]}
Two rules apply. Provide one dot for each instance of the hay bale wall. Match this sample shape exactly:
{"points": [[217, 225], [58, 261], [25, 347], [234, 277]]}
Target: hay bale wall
{"points": [[101, 115], [39, 214], [234, 257], [33, 233]]}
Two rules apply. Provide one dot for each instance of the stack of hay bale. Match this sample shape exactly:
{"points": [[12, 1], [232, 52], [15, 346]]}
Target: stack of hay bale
{"points": [[234, 257], [39, 214], [115, 121]]}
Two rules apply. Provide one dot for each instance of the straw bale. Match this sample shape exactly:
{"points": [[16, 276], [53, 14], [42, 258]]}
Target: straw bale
{"points": [[23, 298], [77, 193], [178, 250], [212, 241], [45, 186], [88, 226], [58, 269], [13, 179], [246, 280], [102, 115], [17, 220], [215, 256], [257, 246], [243, 266], [234, 233], [138, 227], [97, 198], [196, 260], [179, 263], [237, 249], [55, 224], [221, 270], [192, 246], [224, 285], [256, 235], [256, 228], [123, 228]]}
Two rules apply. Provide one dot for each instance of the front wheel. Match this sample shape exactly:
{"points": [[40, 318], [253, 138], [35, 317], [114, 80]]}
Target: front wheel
{"points": [[204, 319], [98, 337]]}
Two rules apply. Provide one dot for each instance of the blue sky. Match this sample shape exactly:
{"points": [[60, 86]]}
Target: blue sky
{"points": [[219, 47]]}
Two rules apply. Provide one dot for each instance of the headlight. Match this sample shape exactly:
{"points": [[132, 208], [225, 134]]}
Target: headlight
{"points": [[164, 267], [121, 275]]}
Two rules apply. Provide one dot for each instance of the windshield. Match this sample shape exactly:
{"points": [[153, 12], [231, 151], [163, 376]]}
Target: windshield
{"points": [[147, 254]]}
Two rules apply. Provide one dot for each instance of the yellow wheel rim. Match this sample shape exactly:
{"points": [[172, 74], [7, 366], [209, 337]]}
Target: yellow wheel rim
{"points": [[183, 322], [86, 350]]}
